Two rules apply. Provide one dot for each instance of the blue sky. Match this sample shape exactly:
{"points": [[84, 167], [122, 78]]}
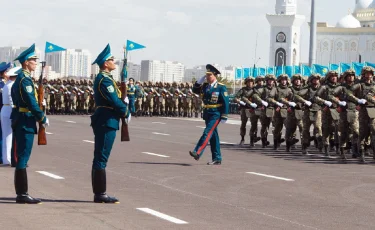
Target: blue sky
{"points": [[190, 31]]}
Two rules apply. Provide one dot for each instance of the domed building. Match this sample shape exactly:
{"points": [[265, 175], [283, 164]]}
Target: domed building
{"points": [[352, 39]]}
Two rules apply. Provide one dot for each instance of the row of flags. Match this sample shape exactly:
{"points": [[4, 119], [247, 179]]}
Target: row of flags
{"points": [[304, 70]]}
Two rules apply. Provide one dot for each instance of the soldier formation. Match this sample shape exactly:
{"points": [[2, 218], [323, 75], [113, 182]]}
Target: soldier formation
{"points": [[340, 109], [150, 99]]}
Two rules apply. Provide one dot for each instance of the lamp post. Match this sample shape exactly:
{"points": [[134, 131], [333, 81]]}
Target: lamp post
{"points": [[312, 53]]}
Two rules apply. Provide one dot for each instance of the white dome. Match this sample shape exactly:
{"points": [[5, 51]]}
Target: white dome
{"points": [[363, 4], [348, 22]]}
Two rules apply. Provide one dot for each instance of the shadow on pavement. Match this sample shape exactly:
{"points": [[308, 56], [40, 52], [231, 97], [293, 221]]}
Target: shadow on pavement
{"points": [[154, 163], [7, 200]]}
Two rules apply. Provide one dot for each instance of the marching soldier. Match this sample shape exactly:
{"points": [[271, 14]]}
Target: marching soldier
{"points": [[215, 97], [138, 98], [131, 95], [105, 122], [24, 117]]}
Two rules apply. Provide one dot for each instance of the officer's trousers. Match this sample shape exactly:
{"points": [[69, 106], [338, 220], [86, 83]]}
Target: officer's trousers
{"points": [[24, 145], [131, 105], [104, 139], [7, 134], [211, 134]]}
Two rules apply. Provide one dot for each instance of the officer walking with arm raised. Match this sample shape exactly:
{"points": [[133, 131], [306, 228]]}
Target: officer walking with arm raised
{"points": [[105, 122], [216, 107], [24, 116]]}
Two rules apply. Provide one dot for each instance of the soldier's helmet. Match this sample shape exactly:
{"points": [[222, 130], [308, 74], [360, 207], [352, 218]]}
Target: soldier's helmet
{"points": [[249, 79], [168, 84], [85, 82], [149, 83], [174, 84], [314, 76], [283, 76], [270, 77], [296, 77], [79, 82], [349, 72], [367, 69], [332, 73], [259, 78]]}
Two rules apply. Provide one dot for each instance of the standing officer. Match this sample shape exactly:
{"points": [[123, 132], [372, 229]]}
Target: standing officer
{"points": [[105, 122], [4, 67], [131, 95], [216, 108], [24, 116]]}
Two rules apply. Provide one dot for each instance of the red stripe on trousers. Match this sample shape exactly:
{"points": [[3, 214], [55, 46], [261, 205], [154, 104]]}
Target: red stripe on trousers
{"points": [[208, 137], [15, 151]]}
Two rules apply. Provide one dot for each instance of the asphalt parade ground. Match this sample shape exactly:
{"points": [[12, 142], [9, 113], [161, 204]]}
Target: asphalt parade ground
{"points": [[161, 187]]}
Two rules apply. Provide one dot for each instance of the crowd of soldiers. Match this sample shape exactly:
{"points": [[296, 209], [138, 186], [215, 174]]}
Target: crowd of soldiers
{"points": [[340, 109], [151, 99]]}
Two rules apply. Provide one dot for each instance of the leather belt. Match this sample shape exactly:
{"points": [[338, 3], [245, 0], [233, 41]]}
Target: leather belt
{"points": [[102, 106], [212, 106], [24, 110]]}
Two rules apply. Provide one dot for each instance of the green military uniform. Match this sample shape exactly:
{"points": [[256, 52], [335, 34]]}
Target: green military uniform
{"points": [[105, 122], [24, 116]]}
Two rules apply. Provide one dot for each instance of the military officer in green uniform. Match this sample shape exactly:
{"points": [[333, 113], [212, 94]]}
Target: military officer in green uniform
{"points": [[216, 108], [24, 116], [131, 95], [105, 122]]}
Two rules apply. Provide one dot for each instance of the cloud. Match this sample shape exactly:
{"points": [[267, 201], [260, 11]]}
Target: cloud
{"points": [[178, 17]]}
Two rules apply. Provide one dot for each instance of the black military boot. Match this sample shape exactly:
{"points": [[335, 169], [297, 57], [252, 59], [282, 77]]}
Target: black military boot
{"points": [[99, 187], [337, 149], [343, 155], [362, 155], [21, 186], [242, 140], [331, 145], [326, 152], [288, 145], [367, 150], [275, 144], [264, 142], [355, 151], [196, 114], [252, 142], [320, 144], [304, 149], [256, 139]]}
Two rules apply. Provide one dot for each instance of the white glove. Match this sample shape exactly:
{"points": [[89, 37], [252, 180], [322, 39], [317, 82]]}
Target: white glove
{"points": [[180, 95], [342, 103], [293, 104], [242, 103], [362, 101], [146, 94], [308, 103], [126, 100], [79, 94], [223, 121], [264, 103], [129, 118], [279, 104], [201, 80], [328, 103], [46, 124], [44, 103], [254, 105]]}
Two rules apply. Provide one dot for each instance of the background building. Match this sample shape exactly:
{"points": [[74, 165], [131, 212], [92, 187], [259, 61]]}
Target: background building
{"points": [[164, 71]]}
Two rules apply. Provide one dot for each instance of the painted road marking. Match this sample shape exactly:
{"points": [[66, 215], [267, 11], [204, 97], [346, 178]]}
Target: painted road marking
{"points": [[154, 154], [202, 127], [88, 141], [50, 175], [162, 216], [228, 143], [270, 176], [71, 122], [164, 134], [49, 133], [156, 122]]}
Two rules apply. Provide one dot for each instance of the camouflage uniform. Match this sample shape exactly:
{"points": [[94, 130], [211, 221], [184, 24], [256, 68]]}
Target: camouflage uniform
{"points": [[265, 97]]}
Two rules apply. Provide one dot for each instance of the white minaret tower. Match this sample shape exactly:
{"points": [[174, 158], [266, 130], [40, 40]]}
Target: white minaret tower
{"points": [[285, 47]]}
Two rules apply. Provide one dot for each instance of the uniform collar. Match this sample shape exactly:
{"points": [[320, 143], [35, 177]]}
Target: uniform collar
{"points": [[213, 84], [26, 72], [105, 72]]}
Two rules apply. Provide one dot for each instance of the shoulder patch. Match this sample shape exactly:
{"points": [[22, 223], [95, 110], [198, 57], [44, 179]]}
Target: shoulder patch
{"points": [[111, 89], [29, 89], [226, 94], [219, 83]]}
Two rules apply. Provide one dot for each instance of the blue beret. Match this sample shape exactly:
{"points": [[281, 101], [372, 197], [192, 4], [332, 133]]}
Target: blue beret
{"points": [[103, 56], [4, 66], [211, 69], [27, 54]]}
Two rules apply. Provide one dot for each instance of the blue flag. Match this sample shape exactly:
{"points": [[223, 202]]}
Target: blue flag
{"points": [[306, 70], [238, 74], [335, 67], [357, 66], [271, 70], [130, 45], [53, 48], [345, 66], [262, 71], [320, 69], [279, 70], [297, 69], [246, 72], [289, 70]]}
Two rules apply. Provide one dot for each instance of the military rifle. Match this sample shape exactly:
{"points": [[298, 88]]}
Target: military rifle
{"points": [[42, 137], [124, 74]]}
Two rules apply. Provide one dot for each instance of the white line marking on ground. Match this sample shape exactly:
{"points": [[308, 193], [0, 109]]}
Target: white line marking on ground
{"points": [[270, 176], [49, 133], [156, 122], [71, 122], [202, 127], [164, 134], [88, 141], [162, 216], [50, 175], [154, 154], [228, 143]]}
